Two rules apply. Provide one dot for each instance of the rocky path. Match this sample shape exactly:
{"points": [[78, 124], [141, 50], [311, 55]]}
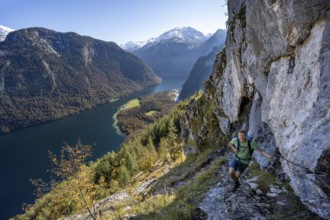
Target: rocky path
{"points": [[249, 201], [245, 203]]}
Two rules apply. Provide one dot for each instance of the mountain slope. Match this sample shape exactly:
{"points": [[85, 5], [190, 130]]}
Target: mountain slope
{"points": [[46, 75], [199, 73], [216, 40], [4, 31], [174, 53]]}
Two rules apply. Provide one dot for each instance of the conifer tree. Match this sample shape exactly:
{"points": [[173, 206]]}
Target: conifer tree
{"points": [[131, 163], [123, 176], [174, 147], [102, 169], [148, 156], [163, 150]]}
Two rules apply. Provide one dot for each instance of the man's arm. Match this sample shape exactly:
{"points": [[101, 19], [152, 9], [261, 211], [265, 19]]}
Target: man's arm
{"points": [[265, 154], [233, 147]]}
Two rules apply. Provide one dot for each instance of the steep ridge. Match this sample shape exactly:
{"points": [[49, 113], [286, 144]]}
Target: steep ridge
{"points": [[45, 75], [199, 73], [216, 40], [204, 64], [272, 79]]}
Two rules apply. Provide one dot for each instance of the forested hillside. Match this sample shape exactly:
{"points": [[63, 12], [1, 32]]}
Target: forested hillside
{"points": [[81, 185], [45, 75]]}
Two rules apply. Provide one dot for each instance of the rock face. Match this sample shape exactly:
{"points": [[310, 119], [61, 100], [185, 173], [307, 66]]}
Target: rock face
{"points": [[273, 78], [46, 75]]}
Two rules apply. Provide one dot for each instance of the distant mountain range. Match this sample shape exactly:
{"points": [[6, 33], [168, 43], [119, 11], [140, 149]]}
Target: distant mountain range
{"points": [[45, 75], [4, 31], [173, 54], [184, 35]]}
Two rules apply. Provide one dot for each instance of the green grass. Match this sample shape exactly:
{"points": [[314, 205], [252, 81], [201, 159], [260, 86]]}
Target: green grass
{"points": [[191, 142], [132, 104], [264, 179], [201, 183], [151, 113], [177, 210], [182, 203], [153, 204], [184, 170]]}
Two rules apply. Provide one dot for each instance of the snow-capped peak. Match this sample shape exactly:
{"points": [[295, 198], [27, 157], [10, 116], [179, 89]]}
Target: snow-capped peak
{"points": [[4, 31], [133, 45], [185, 34]]}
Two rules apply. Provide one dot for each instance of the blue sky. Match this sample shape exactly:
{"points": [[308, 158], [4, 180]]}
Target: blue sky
{"points": [[115, 20]]}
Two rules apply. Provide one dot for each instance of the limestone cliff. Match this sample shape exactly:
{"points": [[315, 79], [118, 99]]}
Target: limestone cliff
{"points": [[273, 78]]}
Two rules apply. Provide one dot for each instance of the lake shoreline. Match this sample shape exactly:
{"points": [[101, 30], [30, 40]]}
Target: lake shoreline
{"points": [[78, 111], [24, 152]]}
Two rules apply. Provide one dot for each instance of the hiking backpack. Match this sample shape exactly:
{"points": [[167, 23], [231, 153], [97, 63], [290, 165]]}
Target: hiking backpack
{"points": [[249, 145]]}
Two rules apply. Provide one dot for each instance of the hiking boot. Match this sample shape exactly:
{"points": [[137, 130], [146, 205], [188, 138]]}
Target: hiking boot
{"points": [[237, 184]]}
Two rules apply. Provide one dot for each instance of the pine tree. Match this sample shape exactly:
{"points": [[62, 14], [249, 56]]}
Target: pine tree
{"points": [[174, 147], [163, 150], [131, 163], [123, 176]]}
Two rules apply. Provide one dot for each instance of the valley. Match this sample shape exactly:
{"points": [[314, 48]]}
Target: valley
{"points": [[24, 153]]}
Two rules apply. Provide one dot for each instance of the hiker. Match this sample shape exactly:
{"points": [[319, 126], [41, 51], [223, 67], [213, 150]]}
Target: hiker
{"points": [[243, 149]]}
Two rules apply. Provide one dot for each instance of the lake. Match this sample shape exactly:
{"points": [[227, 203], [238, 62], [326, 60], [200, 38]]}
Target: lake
{"points": [[24, 153]]}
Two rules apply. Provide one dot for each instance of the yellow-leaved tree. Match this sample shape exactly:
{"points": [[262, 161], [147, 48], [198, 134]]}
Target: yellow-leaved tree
{"points": [[72, 185]]}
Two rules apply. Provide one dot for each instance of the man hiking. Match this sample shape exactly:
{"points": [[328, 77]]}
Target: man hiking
{"points": [[243, 149]]}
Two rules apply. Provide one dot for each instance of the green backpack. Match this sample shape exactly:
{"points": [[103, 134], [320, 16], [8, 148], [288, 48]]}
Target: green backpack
{"points": [[249, 145]]}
